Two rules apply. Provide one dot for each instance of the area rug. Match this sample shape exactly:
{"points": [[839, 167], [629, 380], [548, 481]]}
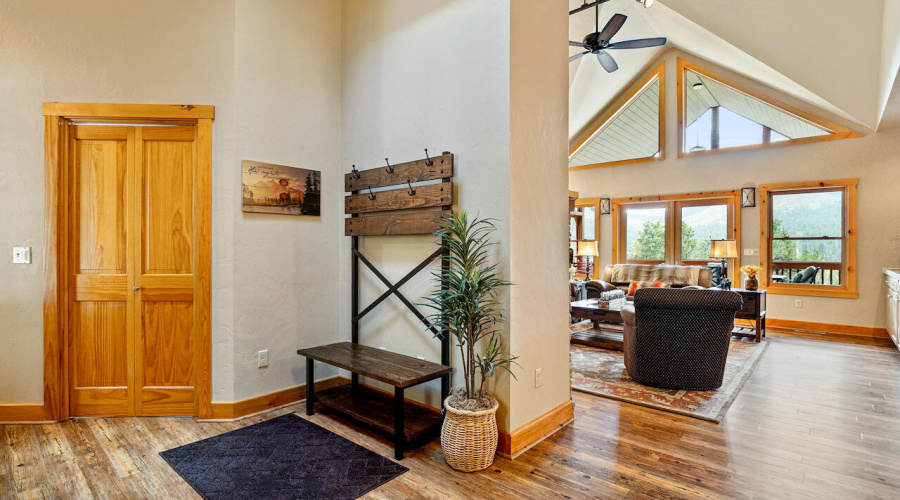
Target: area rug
{"points": [[602, 372], [285, 458]]}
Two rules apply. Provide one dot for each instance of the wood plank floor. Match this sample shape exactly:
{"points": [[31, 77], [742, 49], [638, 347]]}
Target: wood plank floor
{"points": [[816, 420]]}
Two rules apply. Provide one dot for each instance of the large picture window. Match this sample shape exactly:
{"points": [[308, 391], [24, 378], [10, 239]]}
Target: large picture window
{"points": [[808, 243], [674, 229]]}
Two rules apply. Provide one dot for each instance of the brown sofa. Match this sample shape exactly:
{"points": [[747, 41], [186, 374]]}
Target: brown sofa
{"points": [[678, 338]]}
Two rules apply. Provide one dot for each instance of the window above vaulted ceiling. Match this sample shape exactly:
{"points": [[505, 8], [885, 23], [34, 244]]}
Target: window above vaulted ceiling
{"points": [[719, 115], [632, 132]]}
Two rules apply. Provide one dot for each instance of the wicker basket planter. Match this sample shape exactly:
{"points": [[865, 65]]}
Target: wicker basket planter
{"points": [[469, 438]]}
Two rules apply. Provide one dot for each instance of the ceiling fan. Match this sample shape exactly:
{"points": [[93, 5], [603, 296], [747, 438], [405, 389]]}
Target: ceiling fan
{"points": [[599, 41]]}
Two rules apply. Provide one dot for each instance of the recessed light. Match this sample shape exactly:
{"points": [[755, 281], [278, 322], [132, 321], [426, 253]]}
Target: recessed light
{"points": [[647, 3], [697, 86]]}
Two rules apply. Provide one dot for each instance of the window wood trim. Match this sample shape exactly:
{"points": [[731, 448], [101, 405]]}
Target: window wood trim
{"points": [[731, 197], [839, 132], [848, 287], [603, 119]]}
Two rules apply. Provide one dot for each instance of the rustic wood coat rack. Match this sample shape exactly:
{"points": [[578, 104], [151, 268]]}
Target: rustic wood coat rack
{"points": [[427, 187]]}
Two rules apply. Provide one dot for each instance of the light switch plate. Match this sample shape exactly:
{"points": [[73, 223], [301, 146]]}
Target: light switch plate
{"points": [[21, 255], [751, 251]]}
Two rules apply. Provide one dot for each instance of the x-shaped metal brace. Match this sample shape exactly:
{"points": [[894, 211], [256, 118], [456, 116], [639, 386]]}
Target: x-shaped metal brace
{"points": [[395, 289]]}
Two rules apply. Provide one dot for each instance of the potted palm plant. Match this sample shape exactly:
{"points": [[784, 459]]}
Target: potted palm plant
{"points": [[467, 306]]}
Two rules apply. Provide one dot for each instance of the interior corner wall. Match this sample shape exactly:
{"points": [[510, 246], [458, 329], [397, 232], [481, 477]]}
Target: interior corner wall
{"points": [[274, 277], [539, 326], [425, 74], [872, 159]]}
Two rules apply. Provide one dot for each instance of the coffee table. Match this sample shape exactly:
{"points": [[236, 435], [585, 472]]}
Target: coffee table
{"points": [[607, 320]]}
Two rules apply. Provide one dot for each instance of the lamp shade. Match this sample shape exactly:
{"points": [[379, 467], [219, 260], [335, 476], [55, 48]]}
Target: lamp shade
{"points": [[587, 249], [723, 249]]}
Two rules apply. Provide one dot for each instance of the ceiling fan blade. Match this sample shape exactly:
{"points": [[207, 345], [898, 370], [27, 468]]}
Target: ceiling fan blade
{"points": [[612, 27], [607, 61], [576, 56], [576, 44], [638, 44]]}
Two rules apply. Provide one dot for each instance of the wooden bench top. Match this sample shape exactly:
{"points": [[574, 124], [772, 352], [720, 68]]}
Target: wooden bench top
{"points": [[385, 366]]}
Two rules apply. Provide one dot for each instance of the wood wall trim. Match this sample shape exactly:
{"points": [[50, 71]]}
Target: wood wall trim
{"points": [[256, 404], [512, 444], [203, 271], [55, 300], [23, 413], [75, 110], [838, 132], [833, 328], [600, 121]]}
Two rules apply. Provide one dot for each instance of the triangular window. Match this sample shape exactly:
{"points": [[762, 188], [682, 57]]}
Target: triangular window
{"points": [[630, 133], [719, 115]]}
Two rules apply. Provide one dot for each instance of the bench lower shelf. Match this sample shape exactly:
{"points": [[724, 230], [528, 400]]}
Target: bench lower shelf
{"points": [[376, 408]]}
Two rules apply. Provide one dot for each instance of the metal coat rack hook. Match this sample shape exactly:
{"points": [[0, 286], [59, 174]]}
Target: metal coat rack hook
{"points": [[371, 194], [411, 192], [355, 172], [390, 169], [428, 160]]}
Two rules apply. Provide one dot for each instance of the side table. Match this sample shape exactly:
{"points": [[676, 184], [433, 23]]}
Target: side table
{"points": [[754, 309]]}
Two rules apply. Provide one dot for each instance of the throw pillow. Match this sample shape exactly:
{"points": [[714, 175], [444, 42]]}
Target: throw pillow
{"points": [[645, 284]]}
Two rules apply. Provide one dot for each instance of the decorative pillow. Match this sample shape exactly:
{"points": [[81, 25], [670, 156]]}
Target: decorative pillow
{"points": [[646, 284]]}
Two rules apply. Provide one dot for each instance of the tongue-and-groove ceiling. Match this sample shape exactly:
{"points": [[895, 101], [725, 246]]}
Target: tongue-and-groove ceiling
{"points": [[838, 56]]}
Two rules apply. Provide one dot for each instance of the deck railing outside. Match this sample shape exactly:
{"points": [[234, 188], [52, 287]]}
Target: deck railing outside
{"points": [[829, 272]]}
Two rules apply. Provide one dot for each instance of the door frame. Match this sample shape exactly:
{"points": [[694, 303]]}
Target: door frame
{"points": [[57, 117]]}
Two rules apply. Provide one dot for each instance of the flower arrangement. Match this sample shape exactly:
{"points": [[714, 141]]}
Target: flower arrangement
{"points": [[751, 270]]}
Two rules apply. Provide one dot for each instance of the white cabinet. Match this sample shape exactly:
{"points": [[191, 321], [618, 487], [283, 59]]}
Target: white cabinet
{"points": [[892, 306]]}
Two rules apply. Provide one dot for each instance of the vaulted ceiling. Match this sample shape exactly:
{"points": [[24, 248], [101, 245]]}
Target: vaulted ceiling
{"points": [[838, 56]]}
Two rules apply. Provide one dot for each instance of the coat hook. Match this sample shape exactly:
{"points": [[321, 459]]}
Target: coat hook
{"points": [[428, 161], [411, 192], [390, 169], [355, 172], [371, 194]]}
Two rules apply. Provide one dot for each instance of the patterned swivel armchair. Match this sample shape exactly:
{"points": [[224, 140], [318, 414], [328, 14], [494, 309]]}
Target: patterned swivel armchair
{"points": [[678, 338]]}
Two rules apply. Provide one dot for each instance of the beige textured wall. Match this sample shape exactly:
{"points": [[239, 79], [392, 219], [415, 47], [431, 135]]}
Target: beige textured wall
{"points": [[539, 207], [873, 159], [437, 74], [430, 74], [271, 275]]}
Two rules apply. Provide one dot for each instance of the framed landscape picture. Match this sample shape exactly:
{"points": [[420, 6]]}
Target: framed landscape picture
{"points": [[278, 189]]}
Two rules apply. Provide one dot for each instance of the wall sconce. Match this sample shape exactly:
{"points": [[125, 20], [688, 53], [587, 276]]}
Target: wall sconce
{"points": [[604, 206], [748, 197]]}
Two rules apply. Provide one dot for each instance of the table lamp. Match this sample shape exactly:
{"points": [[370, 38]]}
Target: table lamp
{"points": [[723, 249], [588, 249]]}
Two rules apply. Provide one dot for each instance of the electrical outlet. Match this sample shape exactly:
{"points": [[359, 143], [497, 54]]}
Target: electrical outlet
{"points": [[262, 358], [798, 303], [537, 377], [21, 255], [421, 357]]}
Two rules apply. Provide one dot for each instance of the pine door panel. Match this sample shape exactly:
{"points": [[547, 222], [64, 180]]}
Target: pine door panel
{"points": [[164, 359], [100, 343]]}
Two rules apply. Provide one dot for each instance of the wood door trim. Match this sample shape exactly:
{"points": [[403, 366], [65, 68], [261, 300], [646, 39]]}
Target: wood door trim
{"points": [[57, 117], [139, 112]]}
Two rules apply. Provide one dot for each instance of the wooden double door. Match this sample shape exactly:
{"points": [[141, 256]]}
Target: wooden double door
{"points": [[133, 256]]}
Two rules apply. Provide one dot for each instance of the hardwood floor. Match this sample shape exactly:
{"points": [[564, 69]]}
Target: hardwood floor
{"points": [[816, 420]]}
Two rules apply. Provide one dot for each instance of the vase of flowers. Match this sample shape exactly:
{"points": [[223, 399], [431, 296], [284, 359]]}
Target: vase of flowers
{"points": [[751, 283], [467, 306]]}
